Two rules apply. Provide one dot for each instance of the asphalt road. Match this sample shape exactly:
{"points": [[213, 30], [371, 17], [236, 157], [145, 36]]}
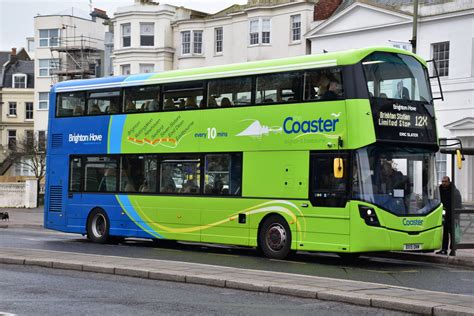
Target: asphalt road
{"points": [[29, 290], [418, 275]]}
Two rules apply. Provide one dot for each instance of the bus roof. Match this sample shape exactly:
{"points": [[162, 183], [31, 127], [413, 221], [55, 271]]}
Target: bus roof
{"points": [[341, 58]]}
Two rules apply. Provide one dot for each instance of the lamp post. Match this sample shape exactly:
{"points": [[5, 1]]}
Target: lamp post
{"points": [[415, 26]]}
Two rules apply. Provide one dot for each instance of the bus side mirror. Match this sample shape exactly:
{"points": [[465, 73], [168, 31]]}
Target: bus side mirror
{"points": [[459, 159], [338, 167]]}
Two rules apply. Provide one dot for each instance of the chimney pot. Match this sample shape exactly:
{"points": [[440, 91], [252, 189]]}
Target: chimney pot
{"points": [[13, 51]]}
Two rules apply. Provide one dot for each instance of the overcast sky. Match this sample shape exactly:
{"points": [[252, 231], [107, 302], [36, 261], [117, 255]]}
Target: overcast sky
{"points": [[16, 16]]}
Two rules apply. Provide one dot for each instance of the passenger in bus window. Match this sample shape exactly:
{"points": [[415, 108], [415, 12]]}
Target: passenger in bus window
{"points": [[402, 92], [190, 187], [145, 187], [154, 105], [225, 103], [113, 108], [323, 85], [218, 187], [167, 183], [130, 106], [190, 103], [94, 109], [212, 103], [182, 104], [126, 181], [109, 180], [78, 110], [332, 91], [169, 105]]}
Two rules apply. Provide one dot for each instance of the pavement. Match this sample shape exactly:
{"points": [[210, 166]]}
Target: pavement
{"points": [[347, 291]]}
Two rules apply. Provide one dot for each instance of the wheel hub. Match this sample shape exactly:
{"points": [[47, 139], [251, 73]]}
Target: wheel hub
{"points": [[99, 225], [276, 237]]}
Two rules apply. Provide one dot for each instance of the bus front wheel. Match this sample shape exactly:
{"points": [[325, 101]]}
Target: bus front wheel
{"points": [[98, 227], [274, 237]]}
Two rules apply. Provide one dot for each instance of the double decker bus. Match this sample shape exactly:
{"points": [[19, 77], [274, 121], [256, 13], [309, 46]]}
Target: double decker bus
{"points": [[329, 153]]}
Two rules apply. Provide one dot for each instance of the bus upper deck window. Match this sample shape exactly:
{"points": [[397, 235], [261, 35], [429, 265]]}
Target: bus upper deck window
{"points": [[184, 96], [229, 92], [278, 88], [71, 104], [103, 102], [323, 84], [142, 99]]}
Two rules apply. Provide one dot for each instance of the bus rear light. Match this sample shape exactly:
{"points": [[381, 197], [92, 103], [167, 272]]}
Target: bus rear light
{"points": [[368, 215]]}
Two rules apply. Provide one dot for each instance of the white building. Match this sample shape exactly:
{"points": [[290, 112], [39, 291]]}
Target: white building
{"points": [[150, 37], [59, 39], [143, 37], [445, 33]]}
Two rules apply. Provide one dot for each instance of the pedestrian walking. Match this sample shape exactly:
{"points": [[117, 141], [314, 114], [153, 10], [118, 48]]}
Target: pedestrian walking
{"points": [[446, 188]]}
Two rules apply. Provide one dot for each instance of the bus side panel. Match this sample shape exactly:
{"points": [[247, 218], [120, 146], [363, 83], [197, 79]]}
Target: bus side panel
{"points": [[220, 221], [164, 217], [281, 176], [325, 232], [56, 192], [276, 174]]}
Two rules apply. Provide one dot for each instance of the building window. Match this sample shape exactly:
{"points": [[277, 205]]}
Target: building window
{"points": [[257, 27], [30, 43], [49, 37], [11, 108], [41, 140], [147, 68], [147, 34], [197, 42], [441, 163], [29, 110], [46, 66], [254, 32], [19, 81], [125, 69], [43, 98], [12, 139], [441, 57], [188, 41], [266, 31], [30, 139], [126, 35], [218, 33], [296, 28]]}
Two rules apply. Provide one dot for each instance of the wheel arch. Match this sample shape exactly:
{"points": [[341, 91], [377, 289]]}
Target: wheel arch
{"points": [[95, 208], [264, 218], [89, 218]]}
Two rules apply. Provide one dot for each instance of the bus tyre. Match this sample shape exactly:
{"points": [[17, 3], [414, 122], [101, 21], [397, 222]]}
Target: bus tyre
{"points": [[98, 227], [274, 237]]}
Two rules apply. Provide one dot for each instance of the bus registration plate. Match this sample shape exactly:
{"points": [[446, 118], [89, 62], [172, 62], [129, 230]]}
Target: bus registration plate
{"points": [[412, 246]]}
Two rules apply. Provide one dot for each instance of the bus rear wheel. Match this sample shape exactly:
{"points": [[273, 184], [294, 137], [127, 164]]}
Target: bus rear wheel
{"points": [[98, 227], [274, 237]]}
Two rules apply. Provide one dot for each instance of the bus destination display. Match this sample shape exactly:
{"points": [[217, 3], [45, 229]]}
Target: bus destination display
{"points": [[403, 122]]}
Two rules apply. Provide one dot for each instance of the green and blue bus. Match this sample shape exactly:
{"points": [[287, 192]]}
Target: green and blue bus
{"points": [[329, 153]]}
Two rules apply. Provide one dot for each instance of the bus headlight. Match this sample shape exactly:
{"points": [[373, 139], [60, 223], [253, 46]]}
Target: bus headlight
{"points": [[368, 215]]}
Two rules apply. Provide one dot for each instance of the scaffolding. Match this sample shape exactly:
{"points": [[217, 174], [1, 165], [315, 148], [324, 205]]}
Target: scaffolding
{"points": [[77, 57]]}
